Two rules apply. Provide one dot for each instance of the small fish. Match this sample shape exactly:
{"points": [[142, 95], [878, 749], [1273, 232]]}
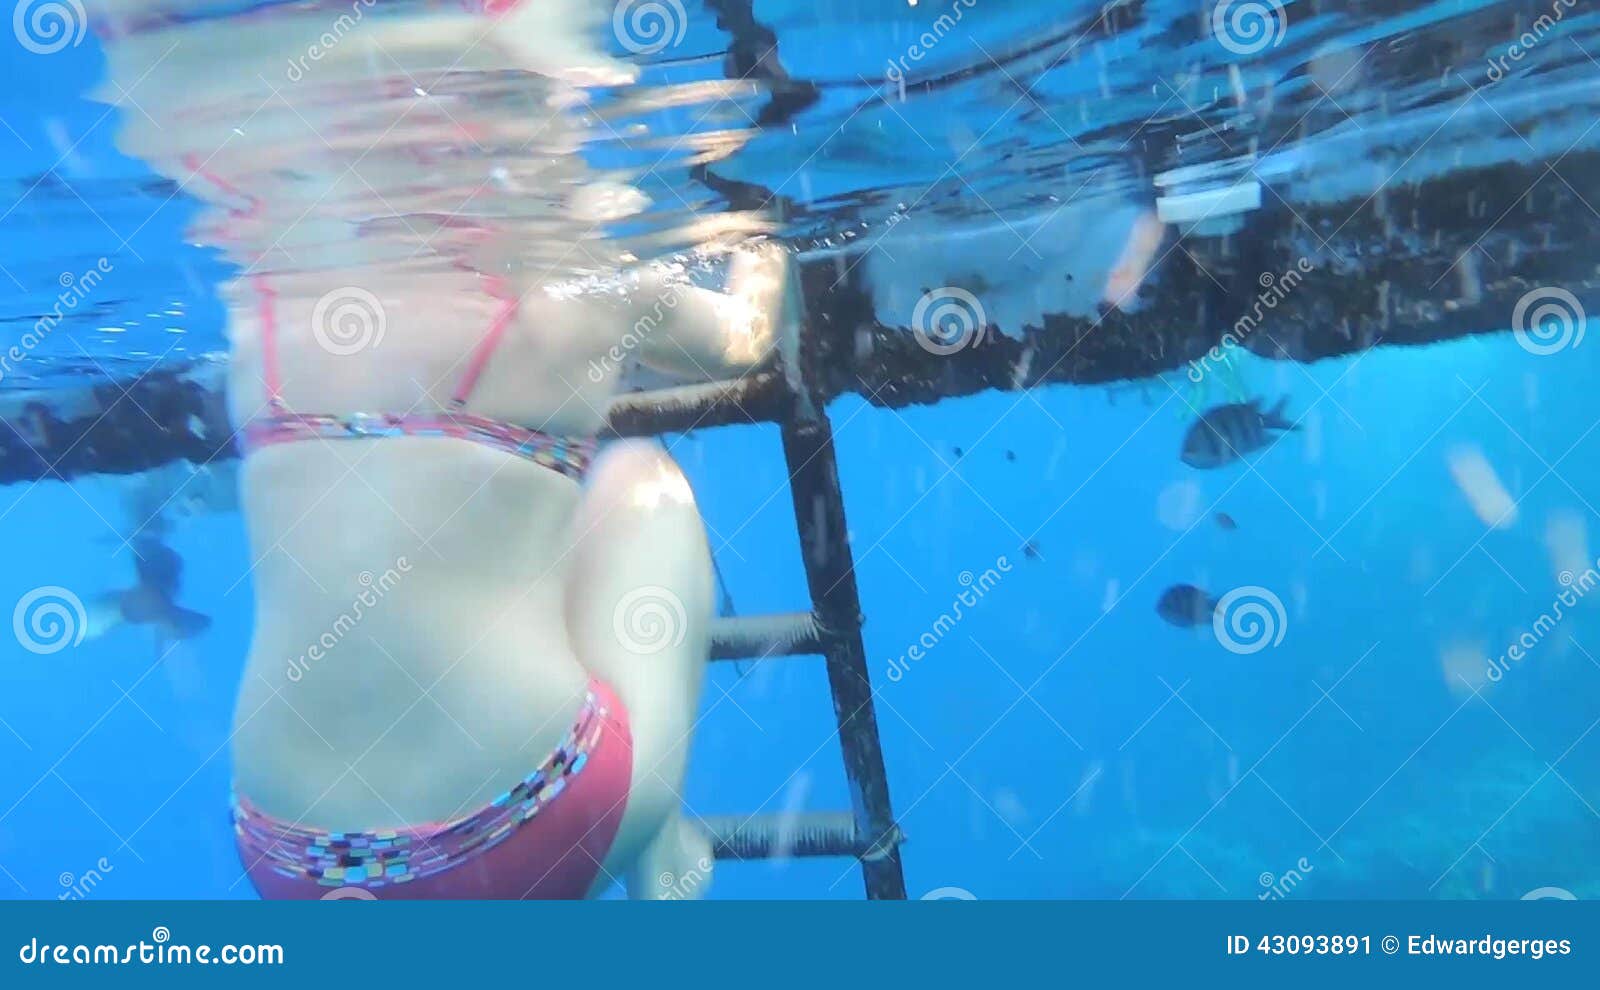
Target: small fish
{"points": [[143, 605], [1011, 455], [150, 601], [1224, 434], [1030, 550], [1184, 605], [1226, 522]]}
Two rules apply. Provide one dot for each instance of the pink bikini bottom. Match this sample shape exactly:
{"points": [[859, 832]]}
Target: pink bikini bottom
{"points": [[546, 838]]}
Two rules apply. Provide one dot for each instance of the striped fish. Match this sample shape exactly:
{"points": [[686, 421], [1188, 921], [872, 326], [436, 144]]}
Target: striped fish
{"points": [[1184, 605], [1224, 434]]}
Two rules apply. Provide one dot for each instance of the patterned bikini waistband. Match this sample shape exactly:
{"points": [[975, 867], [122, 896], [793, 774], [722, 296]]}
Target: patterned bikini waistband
{"points": [[381, 857], [570, 456]]}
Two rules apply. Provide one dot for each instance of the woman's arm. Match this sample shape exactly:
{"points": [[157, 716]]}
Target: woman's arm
{"points": [[681, 329]]}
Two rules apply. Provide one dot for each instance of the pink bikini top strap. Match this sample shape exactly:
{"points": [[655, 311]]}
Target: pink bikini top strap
{"points": [[266, 306], [266, 311], [266, 296], [502, 291]]}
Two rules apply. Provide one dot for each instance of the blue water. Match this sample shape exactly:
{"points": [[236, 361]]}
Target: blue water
{"points": [[1060, 740]]}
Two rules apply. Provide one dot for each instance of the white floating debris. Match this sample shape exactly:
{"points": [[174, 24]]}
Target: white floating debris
{"points": [[1010, 807], [1019, 370], [1208, 199], [1566, 538], [1179, 505], [1083, 798], [1210, 204], [1465, 667], [1476, 478]]}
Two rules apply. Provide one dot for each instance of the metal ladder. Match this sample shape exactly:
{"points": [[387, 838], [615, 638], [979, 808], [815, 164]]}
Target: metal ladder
{"points": [[832, 628]]}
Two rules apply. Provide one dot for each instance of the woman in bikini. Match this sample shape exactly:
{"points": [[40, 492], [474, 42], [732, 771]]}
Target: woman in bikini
{"points": [[479, 646]]}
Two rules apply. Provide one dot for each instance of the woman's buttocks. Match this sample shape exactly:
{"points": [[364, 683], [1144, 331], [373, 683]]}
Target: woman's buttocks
{"points": [[410, 660]]}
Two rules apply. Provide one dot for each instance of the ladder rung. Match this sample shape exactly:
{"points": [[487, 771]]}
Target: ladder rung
{"points": [[757, 398], [817, 833], [756, 637]]}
